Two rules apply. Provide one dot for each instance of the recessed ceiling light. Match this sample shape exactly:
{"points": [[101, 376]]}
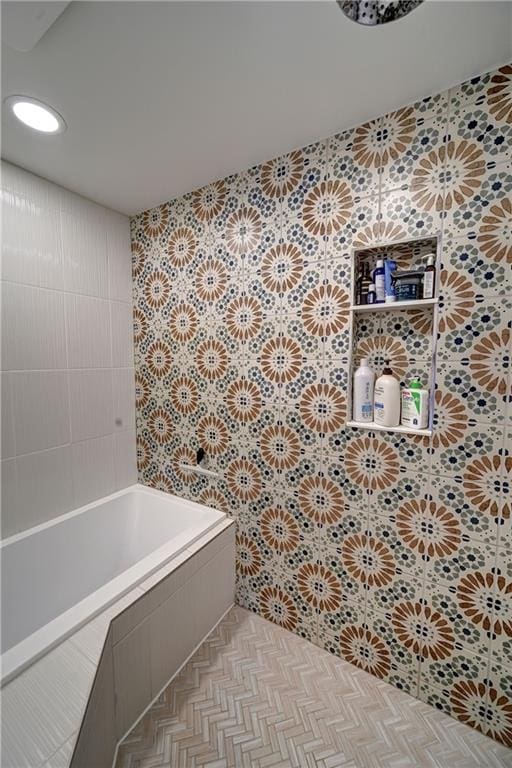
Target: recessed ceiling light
{"points": [[35, 114]]}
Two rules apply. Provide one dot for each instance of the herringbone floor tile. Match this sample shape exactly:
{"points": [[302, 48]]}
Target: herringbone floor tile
{"points": [[256, 695]]}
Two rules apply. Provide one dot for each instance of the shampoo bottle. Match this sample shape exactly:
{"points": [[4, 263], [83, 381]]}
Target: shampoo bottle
{"points": [[386, 405], [364, 379]]}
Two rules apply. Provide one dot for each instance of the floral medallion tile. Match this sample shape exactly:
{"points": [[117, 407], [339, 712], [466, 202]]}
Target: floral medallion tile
{"points": [[493, 232], [270, 301], [404, 663], [277, 367], [458, 440], [244, 402], [268, 206], [276, 604], [350, 471], [471, 702], [412, 331], [365, 329], [309, 464], [309, 439], [252, 577], [369, 651], [337, 374], [256, 248], [283, 269], [253, 550], [478, 381], [476, 510], [499, 704], [474, 122], [312, 585], [338, 271], [314, 581], [295, 234], [364, 216], [294, 328], [392, 585], [284, 514], [267, 415], [217, 434], [289, 177], [474, 328], [500, 678], [482, 190], [311, 373], [332, 624], [276, 451], [243, 321], [353, 157], [312, 279], [347, 560], [407, 141], [491, 88], [214, 367], [323, 503], [444, 665], [397, 536], [395, 459], [321, 409], [501, 646], [242, 482], [402, 212], [469, 273], [464, 596], [377, 463]]}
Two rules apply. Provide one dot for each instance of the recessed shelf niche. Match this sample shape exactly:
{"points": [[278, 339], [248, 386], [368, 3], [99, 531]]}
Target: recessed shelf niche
{"points": [[405, 332]]}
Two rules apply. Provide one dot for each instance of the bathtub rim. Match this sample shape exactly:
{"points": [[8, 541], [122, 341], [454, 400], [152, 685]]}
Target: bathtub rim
{"points": [[29, 650]]}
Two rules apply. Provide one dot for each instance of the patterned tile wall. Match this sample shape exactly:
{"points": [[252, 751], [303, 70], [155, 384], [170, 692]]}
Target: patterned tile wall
{"points": [[393, 552]]}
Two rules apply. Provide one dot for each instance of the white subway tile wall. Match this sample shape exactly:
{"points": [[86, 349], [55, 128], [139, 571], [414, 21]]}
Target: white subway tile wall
{"points": [[67, 379]]}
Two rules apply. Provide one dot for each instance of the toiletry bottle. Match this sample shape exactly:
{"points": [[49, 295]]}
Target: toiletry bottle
{"points": [[365, 283], [364, 379], [429, 279], [389, 288], [386, 403], [415, 406], [378, 279], [359, 280], [372, 296]]}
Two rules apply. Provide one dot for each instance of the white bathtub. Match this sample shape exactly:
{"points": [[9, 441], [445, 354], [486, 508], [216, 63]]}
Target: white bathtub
{"points": [[59, 575]]}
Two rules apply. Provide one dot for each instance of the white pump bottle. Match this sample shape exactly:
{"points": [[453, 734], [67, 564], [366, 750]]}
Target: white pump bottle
{"points": [[364, 379]]}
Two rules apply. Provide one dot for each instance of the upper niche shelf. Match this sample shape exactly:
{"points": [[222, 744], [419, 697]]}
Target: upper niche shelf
{"points": [[394, 306]]}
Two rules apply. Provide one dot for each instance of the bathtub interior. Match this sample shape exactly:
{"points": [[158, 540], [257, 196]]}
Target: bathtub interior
{"points": [[47, 571]]}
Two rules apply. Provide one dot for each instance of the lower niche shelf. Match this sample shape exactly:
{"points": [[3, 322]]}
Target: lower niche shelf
{"points": [[371, 426]]}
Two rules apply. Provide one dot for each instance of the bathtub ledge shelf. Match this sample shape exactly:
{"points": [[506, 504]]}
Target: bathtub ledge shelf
{"points": [[198, 470], [372, 427]]}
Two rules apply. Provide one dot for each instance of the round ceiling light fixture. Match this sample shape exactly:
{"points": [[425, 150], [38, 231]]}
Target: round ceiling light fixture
{"points": [[36, 114], [371, 13]]}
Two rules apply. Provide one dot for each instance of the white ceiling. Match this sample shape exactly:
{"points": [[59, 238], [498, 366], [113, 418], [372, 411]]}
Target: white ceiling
{"points": [[161, 98]]}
